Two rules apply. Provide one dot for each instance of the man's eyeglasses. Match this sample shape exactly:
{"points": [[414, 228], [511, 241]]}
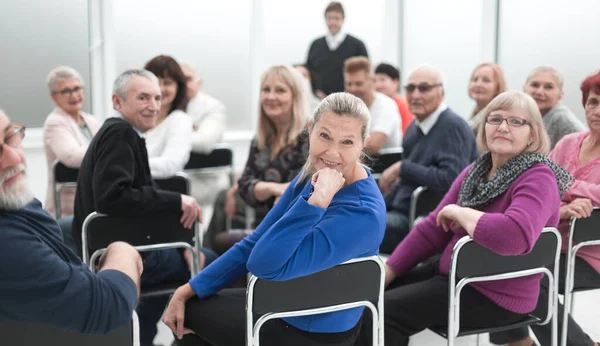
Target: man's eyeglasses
{"points": [[510, 121], [423, 88], [13, 136], [69, 92]]}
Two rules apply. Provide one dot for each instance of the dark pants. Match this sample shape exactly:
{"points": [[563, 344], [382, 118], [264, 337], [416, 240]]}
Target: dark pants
{"points": [[161, 267], [220, 320], [396, 228], [585, 277], [419, 300], [218, 222]]}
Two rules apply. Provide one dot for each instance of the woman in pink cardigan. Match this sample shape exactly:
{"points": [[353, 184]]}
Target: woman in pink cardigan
{"points": [[67, 133], [503, 201], [578, 153]]}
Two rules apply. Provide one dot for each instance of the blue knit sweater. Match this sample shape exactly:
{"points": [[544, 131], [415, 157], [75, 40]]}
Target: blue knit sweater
{"points": [[43, 281], [297, 239], [433, 160]]}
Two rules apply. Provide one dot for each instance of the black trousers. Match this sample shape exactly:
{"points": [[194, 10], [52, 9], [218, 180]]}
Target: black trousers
{"points": [[221, 321], [585, 277], [419, 300]]}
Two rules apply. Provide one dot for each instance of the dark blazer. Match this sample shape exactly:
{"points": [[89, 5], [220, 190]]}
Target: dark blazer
{"points": [[115, 179]]}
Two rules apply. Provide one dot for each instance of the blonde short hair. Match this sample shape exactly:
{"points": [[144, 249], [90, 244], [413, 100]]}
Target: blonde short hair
{"points": [[511, 100]]}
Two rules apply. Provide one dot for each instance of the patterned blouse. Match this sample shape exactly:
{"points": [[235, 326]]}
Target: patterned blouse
{"points": [[281, 169]]}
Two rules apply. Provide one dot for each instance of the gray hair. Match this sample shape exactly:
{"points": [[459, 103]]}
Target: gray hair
{"points": [[439, 75], [60, 74], [343, 104], [510, 100], [544, 69], [121, 85]]}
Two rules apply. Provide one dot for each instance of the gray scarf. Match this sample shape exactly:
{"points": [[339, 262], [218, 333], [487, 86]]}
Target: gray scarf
{"points": [[477, 192]]}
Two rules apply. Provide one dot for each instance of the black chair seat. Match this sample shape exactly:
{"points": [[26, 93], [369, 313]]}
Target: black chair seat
{"points": [[218, 157], [442, 331], [584, 289]]}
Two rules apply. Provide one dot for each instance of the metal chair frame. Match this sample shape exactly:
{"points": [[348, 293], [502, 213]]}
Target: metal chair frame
{"points": [[90, 260], [575, 243], [455, 288], [253, 328], [58, 184], [415, 215]]}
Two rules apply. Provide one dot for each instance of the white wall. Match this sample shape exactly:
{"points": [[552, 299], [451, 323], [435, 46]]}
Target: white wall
{"points": [[35, 37], [212, 35], [449, 35], [559, 33], [290, 27]]}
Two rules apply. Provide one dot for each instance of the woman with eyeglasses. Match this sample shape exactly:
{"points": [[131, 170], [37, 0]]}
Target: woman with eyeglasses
{"points": [[503, 201], [67, 133], [545, 85], [579, 154]]}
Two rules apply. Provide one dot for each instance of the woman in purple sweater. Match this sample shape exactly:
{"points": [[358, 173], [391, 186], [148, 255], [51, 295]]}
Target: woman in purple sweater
{"points": [[503, 201]]}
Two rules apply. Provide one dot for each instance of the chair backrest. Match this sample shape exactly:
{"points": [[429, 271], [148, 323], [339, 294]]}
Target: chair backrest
{"points": [[219, 157], [422, 202], [15, 333], [179, 183], [470, 259], [353, 281], [64, 174], [384, 158], [161, 228], [586, 229]]}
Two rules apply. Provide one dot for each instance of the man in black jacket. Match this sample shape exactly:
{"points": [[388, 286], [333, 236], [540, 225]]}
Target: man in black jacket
{"points": [[327, 54], [115, 179]]}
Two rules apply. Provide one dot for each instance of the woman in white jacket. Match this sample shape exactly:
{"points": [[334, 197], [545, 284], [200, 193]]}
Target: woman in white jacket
{"points": [[169, 143]]}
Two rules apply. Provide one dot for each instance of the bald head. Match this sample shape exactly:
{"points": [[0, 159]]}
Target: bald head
{"points": [[424, 90], [428, 71], [193, 83]]}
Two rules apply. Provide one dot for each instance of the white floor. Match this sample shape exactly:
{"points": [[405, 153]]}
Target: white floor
{"points": [[587, 314]]}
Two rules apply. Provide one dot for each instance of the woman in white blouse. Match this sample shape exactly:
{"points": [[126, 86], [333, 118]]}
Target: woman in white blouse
{"points": [[67, 130], [170, 142]]}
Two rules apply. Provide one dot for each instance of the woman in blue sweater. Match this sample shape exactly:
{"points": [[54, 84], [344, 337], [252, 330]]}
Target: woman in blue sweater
{"points": [[330, 213]]}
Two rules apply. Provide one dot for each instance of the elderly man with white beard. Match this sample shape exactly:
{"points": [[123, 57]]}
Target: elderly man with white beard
{"points": [[43, 281]]}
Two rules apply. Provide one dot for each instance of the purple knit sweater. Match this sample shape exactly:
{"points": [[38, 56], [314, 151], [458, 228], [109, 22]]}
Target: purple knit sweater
{"points": [[510, 226]]}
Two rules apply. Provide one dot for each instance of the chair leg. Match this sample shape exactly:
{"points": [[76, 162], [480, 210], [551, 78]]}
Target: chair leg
{"points": [[568, 295], [477, 340]]}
